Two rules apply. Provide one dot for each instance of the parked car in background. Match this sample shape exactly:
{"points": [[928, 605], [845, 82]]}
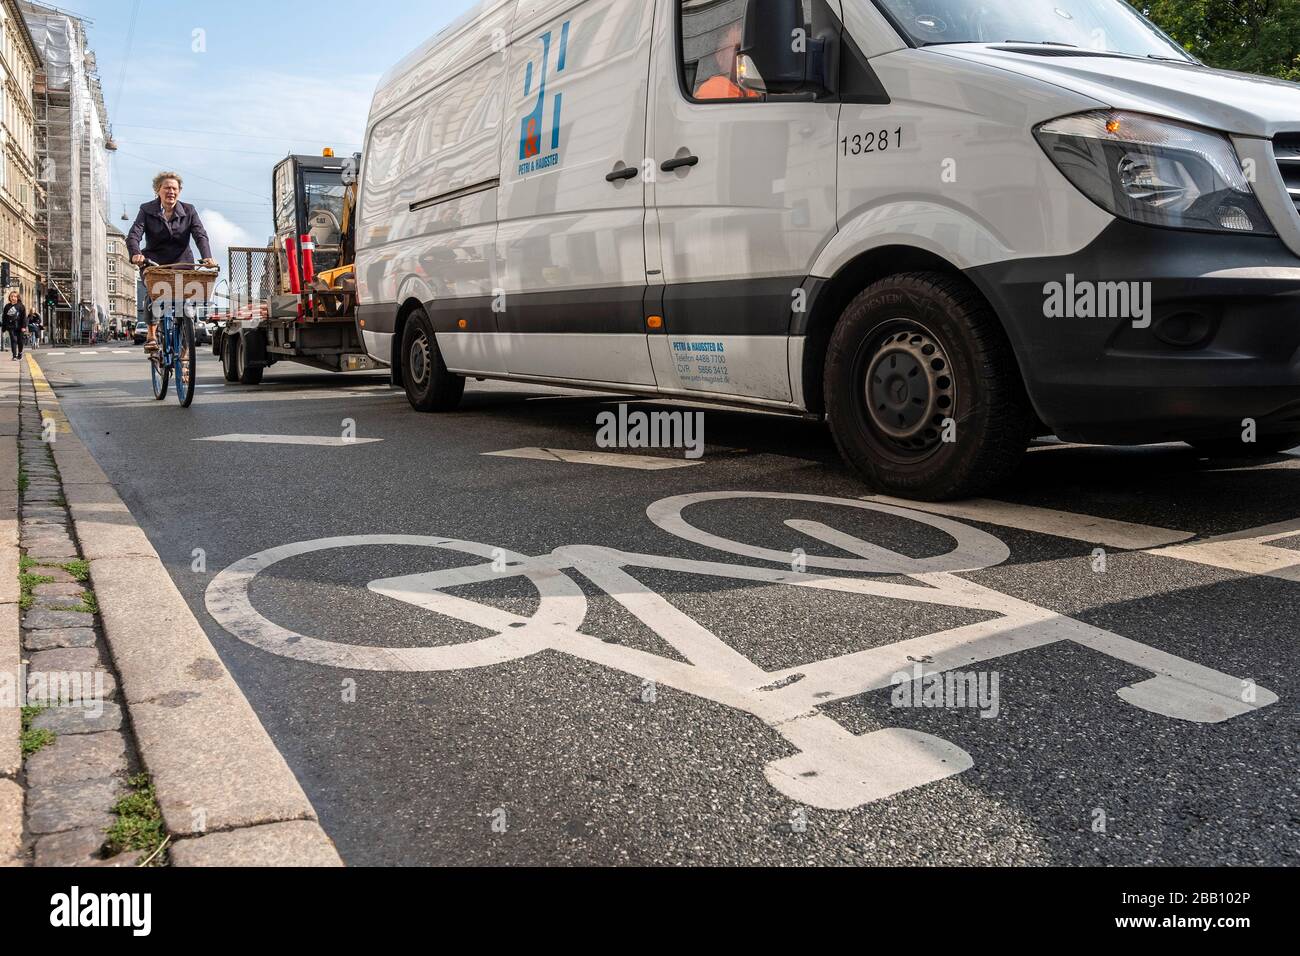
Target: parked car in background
{"points": [[141, 333]]}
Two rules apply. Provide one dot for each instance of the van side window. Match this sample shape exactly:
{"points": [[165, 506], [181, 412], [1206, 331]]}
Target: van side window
{"points": [[711, 34]]}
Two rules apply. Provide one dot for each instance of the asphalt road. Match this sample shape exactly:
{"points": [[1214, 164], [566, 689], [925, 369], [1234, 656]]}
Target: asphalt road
{"points": [[612, 748]]}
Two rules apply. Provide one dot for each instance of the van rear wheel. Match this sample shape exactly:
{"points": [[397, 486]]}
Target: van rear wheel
{"points": [[923, 393], [429, 386]]}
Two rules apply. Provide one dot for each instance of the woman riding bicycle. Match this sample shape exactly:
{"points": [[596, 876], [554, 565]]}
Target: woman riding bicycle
{"points": [[167, 225]]}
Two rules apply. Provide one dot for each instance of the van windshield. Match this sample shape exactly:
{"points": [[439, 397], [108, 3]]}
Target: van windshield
{"points": [[1109, 26]]}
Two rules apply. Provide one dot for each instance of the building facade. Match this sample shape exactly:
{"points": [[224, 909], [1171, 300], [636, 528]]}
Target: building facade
{"points": [[19, 62], [122, 280], [72, 148]]}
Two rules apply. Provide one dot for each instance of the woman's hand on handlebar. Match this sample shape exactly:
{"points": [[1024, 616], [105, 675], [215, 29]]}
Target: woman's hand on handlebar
{"points": [[137, 260]]}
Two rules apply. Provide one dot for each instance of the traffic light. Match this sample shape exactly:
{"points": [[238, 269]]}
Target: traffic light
{"points": [[51, 297], [4, 275]]}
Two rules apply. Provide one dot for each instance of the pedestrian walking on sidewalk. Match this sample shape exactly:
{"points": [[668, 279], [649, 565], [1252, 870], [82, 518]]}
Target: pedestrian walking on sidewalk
{"points": [[15, 322]]}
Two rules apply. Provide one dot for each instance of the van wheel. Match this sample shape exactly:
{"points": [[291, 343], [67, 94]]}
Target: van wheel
{"points": [[1265, 446], [230, 358], [923, 393], [429, 386]]}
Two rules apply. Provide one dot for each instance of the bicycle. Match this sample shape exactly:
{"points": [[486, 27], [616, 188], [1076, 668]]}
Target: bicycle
{"points": [[176, 353]]}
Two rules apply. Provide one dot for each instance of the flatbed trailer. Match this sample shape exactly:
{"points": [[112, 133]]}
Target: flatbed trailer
{"points": [[278, 309]]}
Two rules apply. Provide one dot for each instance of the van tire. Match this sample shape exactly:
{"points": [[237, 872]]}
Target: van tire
{"points": [[429, 386], [230, 358], [911, 354]]}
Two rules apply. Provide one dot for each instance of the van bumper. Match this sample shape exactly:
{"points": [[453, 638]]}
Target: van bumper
{"points": [[1223, 343]]}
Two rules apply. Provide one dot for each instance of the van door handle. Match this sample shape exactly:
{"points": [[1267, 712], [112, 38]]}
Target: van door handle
{"points": [[681, 162], [627, 172]]}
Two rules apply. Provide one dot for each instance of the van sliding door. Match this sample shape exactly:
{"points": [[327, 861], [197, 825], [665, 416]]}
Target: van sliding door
{"points": [[570, 243]]}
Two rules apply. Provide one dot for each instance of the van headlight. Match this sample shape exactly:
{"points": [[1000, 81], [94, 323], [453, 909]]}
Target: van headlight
{"points": [[1155, 172]]}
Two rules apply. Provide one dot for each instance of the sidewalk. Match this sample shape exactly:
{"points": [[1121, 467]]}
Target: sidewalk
{"points": [[163, 749]]}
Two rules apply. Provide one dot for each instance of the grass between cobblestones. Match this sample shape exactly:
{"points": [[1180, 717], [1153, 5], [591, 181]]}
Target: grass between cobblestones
{"points": [[139, 823], [29, 582], [29, 578], [33, 741]]}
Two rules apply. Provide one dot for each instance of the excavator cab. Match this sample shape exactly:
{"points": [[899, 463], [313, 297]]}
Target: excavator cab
{"points": [[315, 200]]}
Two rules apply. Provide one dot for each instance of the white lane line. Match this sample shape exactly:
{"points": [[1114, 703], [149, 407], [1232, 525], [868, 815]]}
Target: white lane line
{"points": [[607, 459], [1059, 524], [123, 352], [323, 441], [1246, 552]]}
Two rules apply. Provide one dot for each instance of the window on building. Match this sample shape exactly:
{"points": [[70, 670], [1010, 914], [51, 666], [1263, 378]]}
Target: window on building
{"points": [[112, 251], [112, 266], [112, 286]]}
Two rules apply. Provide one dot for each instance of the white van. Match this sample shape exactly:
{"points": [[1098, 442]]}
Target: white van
{"points": [[944, 225]]}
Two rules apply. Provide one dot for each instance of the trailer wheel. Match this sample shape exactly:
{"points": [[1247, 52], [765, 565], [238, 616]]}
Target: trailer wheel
{"points": [[429, 386], [230, 358], [923, 392], [248, 374]]}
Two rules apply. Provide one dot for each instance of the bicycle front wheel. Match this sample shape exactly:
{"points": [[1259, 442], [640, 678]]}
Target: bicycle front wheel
{"points": [[160, 374], [186, 364]]}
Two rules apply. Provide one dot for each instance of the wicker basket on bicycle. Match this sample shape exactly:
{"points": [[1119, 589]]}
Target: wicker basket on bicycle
{"points": [[183, 282]]}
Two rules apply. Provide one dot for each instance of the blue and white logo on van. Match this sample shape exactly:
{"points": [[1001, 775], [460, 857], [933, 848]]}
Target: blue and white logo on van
{"points": [[538, 146]]}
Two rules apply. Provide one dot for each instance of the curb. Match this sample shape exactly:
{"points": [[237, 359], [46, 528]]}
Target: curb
{"points": [[227, 796], [11, 759]]}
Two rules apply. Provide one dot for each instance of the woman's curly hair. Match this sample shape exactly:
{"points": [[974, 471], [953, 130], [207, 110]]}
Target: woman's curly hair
{"points": [[163, 177]]}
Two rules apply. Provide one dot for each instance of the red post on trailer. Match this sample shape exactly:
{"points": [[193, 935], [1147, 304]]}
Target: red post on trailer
{"points": [[308, 248], [295, 277]]}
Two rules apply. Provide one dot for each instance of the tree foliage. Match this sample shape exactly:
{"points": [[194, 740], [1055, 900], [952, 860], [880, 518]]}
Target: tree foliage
{"points": [[1254, 36]]}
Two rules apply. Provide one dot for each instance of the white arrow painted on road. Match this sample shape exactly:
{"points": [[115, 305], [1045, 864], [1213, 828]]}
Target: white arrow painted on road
{"points": [[321, 440], [604, 458]]}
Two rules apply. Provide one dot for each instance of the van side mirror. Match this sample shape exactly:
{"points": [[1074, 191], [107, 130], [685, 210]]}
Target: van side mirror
{"points": [[777, 53]]}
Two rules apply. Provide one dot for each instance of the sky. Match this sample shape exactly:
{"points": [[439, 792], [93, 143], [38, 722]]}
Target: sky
{"points": [[221, 91]]}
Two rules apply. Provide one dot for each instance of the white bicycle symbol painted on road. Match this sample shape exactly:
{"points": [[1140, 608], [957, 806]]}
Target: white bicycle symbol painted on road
{"points": [[832, 767]]}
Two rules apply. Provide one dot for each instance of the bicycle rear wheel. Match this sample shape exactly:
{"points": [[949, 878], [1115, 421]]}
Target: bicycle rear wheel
{"points": [[186, 363]]}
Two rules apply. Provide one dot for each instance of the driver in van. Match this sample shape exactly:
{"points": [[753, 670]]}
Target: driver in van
{"points": [[722, 85]]}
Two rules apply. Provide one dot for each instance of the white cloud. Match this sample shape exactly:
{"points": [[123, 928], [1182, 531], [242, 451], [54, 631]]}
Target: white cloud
{"points": [[223, 234]]}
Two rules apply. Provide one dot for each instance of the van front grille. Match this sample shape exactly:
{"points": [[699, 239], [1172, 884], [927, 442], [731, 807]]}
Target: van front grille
{"points": [[1287, 150]]}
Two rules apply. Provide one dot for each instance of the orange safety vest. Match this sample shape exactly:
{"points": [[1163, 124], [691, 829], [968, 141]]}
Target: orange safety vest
{"points": [[722, 87]]}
